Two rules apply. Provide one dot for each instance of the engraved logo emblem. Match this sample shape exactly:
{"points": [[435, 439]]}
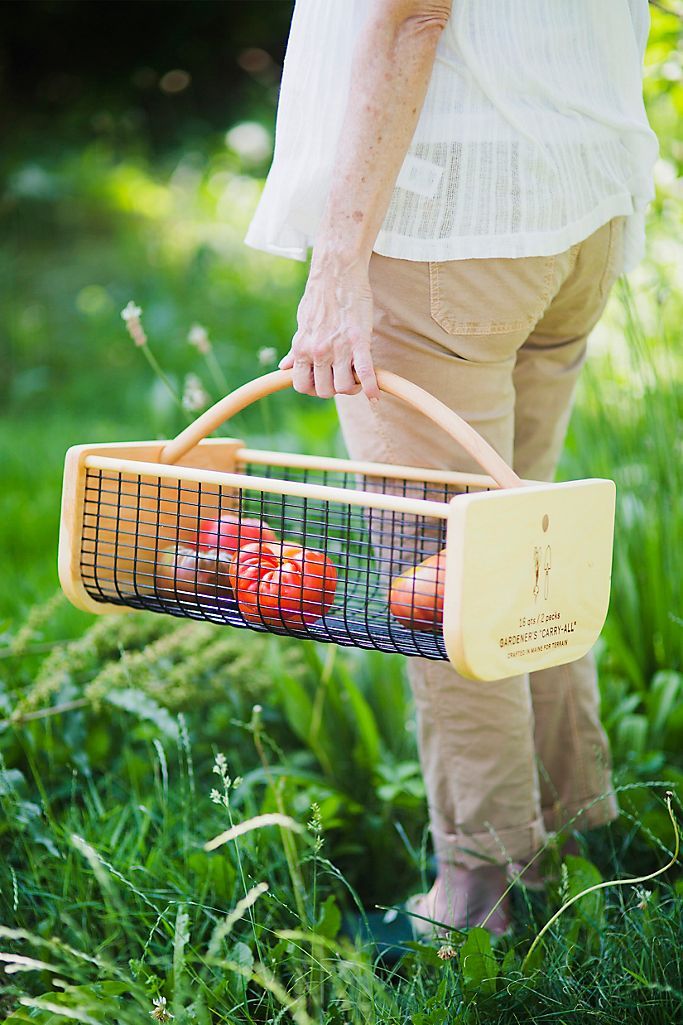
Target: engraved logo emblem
{"points": [[542, 560], [537, 571]]}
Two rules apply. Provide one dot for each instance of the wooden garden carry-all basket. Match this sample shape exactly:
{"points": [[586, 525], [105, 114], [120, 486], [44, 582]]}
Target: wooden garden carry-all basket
{"points": [[512, 576]]}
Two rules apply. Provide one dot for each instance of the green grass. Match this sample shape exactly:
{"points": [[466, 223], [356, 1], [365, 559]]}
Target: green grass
{"points": [[107, 808]]}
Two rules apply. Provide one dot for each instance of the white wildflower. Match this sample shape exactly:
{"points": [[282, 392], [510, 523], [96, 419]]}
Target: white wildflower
{"points": [[194, 394], [642, 895], [267, 356], [446, 952], [199, 337], [131, 315], [161, 1012], [131, 312]]}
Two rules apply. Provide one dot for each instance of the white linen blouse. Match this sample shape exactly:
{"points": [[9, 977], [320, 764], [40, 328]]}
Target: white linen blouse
{"points": [[533, 132]]}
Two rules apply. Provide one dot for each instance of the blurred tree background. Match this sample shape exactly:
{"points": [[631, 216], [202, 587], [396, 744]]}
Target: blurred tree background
{"points": [[159, 74]]}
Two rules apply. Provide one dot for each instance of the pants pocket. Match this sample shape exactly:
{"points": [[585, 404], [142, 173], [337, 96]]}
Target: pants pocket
{"points": [[488, 307], [490, 296]]}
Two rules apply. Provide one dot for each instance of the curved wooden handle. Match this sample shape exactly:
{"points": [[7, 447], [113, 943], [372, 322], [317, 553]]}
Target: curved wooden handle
{"points": [[391, 383]]}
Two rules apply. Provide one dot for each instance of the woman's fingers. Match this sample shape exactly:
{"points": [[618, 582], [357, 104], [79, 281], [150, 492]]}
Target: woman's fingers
{"points": [[302, 379], [365, 371], [324, 383], [345, 382], [350, 373]]}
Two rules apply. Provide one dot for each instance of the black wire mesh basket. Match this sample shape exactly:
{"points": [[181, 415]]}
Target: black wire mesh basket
{"points": [[498, 575]]}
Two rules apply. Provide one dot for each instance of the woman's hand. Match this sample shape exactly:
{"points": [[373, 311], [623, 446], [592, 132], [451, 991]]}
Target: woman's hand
{"points": [[330, 351]]}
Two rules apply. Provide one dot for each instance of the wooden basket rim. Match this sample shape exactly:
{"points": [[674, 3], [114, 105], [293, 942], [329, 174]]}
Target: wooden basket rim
{"points": [[243, 481]]}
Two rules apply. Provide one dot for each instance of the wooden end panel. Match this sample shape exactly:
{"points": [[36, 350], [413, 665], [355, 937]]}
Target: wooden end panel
{"points": [[528, 577]]}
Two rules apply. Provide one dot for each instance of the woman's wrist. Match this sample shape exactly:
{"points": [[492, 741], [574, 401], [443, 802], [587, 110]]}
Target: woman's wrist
{"points": [[339, 258]]}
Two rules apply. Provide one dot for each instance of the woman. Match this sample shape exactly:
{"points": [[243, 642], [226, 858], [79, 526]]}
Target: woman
{"points": [[472, 181]]}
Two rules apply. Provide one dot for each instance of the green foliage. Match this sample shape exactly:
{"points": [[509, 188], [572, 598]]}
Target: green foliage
{"points": [[625, 428], [114, 798], [589, 918], [478, 965]]}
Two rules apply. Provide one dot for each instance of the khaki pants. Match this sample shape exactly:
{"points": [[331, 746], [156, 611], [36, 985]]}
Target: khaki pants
{"points": [[502, 342]]}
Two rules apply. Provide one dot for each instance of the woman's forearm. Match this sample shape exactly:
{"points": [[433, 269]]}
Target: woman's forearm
{"points": [[331, 352], [390, 73]]}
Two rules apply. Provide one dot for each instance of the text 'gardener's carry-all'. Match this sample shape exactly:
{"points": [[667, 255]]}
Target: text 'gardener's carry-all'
{"points": [[499, 575]]}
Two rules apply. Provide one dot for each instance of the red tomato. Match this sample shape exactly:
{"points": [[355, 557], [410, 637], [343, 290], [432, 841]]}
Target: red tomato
{"points": [[187, 574], [282, 584], [416, 597], [230, 532]]}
